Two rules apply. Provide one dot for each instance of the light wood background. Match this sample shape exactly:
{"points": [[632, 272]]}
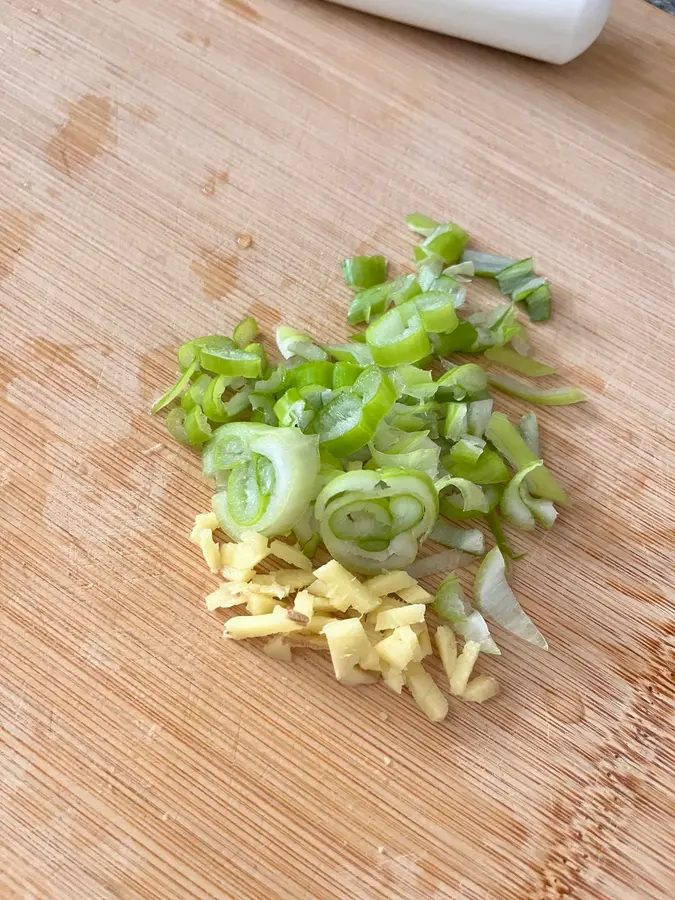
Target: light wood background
{"points": [[141, 756]]}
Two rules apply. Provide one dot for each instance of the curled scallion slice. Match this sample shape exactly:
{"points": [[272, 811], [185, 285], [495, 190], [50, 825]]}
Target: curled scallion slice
{"points": [[175, 390], [496, 601]]}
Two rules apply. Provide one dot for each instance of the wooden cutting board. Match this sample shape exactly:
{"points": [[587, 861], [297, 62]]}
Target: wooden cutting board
{"points": [[144, 758]]}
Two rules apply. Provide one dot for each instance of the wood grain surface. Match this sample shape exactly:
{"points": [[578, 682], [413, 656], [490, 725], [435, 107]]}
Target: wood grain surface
{"points": [[144, 758]]}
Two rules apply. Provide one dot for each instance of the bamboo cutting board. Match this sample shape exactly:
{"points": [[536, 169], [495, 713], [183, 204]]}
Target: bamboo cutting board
{"points": [[144, 758]]}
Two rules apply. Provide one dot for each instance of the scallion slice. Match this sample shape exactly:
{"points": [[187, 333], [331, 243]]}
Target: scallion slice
{"points": [[372, 301], [364, 271], [495, 600], [176, 390], [523, 364], [487, 265], [245, 332], [508, 441], [563, 396], [398, 336]]}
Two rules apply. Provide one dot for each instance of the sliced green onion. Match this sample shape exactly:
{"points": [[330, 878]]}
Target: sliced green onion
{"points": [[430, 269], [259, 350], [392, 447], [496, 327], [353, 352], [436, 311], [520, 508], [462, 381], [521, 341], [444, 283], [188, 352], [294, 343], [310, 547], [291, 409], [538, 304], [407, 512], [529, 429], [345, 374], [425, 566], [489, 468], [197, 426], [523, 364], [175, 424], [320, 372], [373, 552], [273, 384], [478, 416], [470, 540], [245, 332], [456, 421], [466, 451], [287, 473], [467, 622], [447, 241], [176, 390], [316, 395], [473, 499], [373, 301], [364, 271], [247, 497], [403, 288], [362, 519], [216, 356], [508, 441], [306, 527], [516, 275], [464, 270], [420, 224], [524, 290], [412, 381], [398, 337], [263, 408], [195, 393], [212, 398], [487, 265], [342, 426], [236, 405], [461, 340], [377, 393], [495, 599], [563, 396], [495, 526]]}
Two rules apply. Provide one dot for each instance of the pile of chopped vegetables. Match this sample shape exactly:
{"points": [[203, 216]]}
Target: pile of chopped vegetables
{"points": [[362, 451]]}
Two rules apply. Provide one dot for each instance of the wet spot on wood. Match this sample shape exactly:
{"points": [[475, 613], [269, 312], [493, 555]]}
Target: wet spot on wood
{"points": [[16, 232], [264, 313], [213, 180], [243, 9], [217, 272], [86, 134], [190, 38]]}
